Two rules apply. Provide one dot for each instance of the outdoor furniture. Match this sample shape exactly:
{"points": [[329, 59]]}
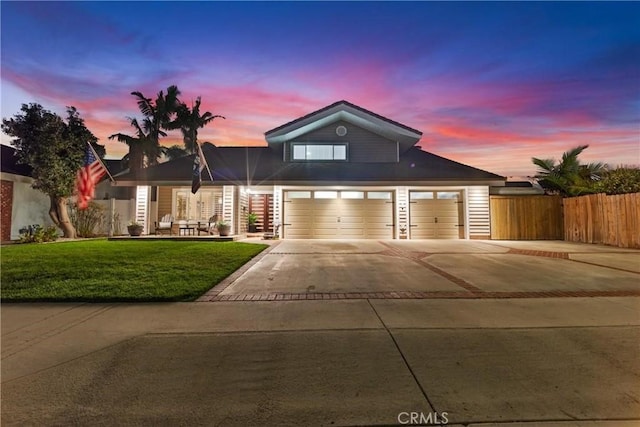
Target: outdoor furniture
{"points": [[186, 228], [209, 226], [165, 224]]}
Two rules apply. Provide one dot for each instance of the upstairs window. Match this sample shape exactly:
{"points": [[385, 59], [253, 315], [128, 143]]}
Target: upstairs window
{"points": [[319, 152]]}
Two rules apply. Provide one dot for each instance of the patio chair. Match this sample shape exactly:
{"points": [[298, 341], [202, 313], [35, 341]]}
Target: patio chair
{"points": [[209, 226], [165, 224]]}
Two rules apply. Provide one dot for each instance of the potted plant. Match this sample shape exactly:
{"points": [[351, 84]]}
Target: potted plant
{"points": [[134, 228], [252, 218], [223, 227]]}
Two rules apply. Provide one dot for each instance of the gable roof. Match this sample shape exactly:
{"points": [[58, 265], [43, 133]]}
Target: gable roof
{"points": [[9, 162], [263, 166], [343, 110]]}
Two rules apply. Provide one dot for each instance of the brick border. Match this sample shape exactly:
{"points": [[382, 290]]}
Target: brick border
{"points": [[419, 295]]}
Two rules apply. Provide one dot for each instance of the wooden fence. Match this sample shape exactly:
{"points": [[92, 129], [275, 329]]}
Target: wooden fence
{"points": [[598, 218], [526, 217]]}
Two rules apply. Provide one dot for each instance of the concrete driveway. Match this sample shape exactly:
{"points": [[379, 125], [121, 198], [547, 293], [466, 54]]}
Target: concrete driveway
{"points": [[339, 269]]}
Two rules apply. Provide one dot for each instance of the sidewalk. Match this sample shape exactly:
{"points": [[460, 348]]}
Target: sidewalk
{"points": [[344, 362]]}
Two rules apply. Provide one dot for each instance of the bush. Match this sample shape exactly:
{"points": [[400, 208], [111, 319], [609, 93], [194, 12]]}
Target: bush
{"points": [[36, 234], [622, 180], [85, 221]]}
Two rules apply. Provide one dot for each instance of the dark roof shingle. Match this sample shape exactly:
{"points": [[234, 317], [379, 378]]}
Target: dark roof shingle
{"points": [[263, 165]]}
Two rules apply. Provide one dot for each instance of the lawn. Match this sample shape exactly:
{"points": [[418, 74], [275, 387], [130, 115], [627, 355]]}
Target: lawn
{"points": [[102, 270]]}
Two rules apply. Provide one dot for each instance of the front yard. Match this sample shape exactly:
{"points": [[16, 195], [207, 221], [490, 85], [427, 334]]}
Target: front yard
{"points": [[103, 271]]}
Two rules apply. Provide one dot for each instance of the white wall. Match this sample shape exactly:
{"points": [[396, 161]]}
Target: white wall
{"points": [[126, 210], [29, 206]]}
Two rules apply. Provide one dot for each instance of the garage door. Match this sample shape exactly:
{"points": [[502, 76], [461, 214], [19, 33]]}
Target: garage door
{"points": [[435, 215], [338, 215]]}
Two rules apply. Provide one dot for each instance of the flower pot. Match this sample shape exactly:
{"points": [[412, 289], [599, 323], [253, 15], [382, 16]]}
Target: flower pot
{"points": [[134, 230], [253, 228], [224, 230]]}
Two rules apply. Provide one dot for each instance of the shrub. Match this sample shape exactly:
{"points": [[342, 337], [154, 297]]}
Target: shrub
{"points": [[85, 221], [622, 180], [37, 234]]}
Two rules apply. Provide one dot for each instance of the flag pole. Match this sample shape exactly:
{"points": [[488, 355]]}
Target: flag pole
{"points": [[100, 160], [204, 159]]}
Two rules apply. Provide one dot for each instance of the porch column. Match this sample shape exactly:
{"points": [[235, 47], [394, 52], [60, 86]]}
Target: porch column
{"points": [[402, 213], [277, 207], [228, 206], [478, 212], [142, 207]]}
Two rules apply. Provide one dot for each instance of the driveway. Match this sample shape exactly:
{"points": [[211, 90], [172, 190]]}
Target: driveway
{"points": [[348, 269]]}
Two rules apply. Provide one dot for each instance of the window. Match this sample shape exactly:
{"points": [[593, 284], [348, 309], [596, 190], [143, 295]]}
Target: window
{"points": [[448, 195], [325, 195], [319, 152], [200, 206], [299, 194], [379, 195], [420, 195], [352, 194]]}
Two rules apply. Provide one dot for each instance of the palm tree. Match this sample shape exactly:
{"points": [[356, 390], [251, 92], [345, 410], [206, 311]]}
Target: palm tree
{"points": [[189, 121], [158, 115], [568, 177], [136, 145]]}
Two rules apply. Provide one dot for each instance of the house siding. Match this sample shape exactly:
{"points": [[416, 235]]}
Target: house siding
{"points": [[364, 146], [478, 212], [165, 201], [228, 206], [242, 211]]}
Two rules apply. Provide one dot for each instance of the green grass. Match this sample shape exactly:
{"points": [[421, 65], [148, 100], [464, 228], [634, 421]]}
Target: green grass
{"points": [[102, 270]]}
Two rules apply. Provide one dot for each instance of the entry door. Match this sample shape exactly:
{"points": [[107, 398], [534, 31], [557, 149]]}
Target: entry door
{"points": [[435, 215], [262, 206]]}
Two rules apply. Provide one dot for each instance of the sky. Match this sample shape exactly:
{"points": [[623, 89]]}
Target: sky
{"points": [[489, 84]]}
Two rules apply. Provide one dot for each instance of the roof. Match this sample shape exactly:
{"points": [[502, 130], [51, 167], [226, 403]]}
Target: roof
{"points": [[9, 162], [115, 166], [264, 166], [344, 110]]}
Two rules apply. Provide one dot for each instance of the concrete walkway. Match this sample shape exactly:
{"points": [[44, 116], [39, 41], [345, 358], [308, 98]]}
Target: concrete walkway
{"points": [[537, 361]]}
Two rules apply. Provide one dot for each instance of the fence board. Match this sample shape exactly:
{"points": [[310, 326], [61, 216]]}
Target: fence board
{"points": [[598, 218], [526, 217]]}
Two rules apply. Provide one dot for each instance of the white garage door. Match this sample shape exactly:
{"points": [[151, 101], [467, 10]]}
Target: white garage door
{"points": [[435, 215], [338, 215]]}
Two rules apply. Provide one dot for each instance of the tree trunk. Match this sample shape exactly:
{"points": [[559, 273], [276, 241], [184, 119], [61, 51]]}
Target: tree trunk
{"points": [[60, 216], [53, 213], [136, 159]]}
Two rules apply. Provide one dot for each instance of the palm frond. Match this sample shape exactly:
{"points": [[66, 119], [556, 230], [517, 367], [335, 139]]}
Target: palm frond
{"points": [[144, 104]]}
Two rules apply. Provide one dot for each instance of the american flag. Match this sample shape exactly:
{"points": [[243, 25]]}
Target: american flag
{"points": [[88, 176]]}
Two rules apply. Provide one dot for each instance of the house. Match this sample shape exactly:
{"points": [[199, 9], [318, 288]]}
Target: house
{"points": [[339, 172], [21, 205]]}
